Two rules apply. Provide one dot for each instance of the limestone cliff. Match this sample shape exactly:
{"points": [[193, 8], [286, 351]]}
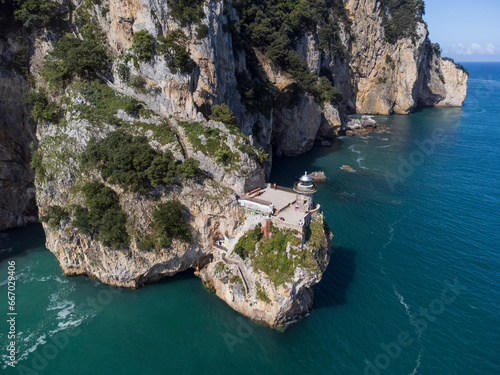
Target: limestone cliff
{"points": [[212, 209], [397, 77], [17, 132], [373, 75]]}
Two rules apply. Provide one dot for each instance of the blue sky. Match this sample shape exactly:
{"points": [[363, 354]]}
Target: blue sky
{"points": [[467, 30]]}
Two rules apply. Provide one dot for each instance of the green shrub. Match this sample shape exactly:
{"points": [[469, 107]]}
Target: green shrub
{"points": [[132, 106], [223, 114], [254, 93], [186, 11], [36, 163], [72, 57], [38, 13], [400, 18], [143, 44], [146, 243], [138, 83], [103, 215], [112, 228], [246, 244], [54, 215], [173, 48], [169, 221], [133, 164], [41, 108], [441, 77], [123, 72], [328, 93], [18, 63], [201, 31]]}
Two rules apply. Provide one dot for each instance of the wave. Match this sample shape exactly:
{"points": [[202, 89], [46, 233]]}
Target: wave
{"points": [[391, 230], [354, 150], [402, 301], [418, 363]]}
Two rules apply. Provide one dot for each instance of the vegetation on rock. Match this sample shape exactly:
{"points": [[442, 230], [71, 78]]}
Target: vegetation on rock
{"points": [[38, 13], [102, 103], [223, 114], [270, 255], [400, 18], [211, 142], [103, 215], [133, 164], [274, 28], [41, 108], [169, 221], [53, 216], [172, 47], [143, 44], [72, 57], [186, 11], [261, 294], [36, 162]]}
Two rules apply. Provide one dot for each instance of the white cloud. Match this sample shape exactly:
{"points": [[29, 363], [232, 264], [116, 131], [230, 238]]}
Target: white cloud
{"points": [[490, 49], [475, 49]]}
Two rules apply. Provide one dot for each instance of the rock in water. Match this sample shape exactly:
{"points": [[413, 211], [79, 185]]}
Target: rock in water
{"points": [[318, 176]]}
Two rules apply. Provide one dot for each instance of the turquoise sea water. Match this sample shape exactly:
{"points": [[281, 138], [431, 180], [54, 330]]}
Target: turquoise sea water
{"points": [[407, 225]]}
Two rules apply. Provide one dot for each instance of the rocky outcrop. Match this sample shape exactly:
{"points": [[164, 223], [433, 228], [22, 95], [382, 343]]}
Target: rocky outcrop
{"points": [[396, 78], [213, 212], [254, 294], [364, 125]]}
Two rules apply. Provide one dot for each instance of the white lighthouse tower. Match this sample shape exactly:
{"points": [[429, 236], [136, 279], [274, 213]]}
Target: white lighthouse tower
{"points": [[305, 189]]}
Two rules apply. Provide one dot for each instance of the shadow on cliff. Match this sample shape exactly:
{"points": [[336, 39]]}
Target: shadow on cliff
{"points": [[332, 290]]}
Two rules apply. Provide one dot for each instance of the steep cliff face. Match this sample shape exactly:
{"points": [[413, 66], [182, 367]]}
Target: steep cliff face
{"points": [[374, 76], [17, 131], [212, 209], [396, 78]]}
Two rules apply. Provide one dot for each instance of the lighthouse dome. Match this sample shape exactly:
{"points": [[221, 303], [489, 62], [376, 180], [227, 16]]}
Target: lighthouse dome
{"points": [[305, 178]]}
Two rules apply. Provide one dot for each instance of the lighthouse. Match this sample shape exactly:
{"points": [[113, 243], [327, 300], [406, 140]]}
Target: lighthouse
{"points": [[305, 189]]}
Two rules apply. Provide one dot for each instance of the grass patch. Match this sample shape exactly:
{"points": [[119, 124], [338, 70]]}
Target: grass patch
{"points": [[271, 256], [211, 142], [102, 103], [261, 294]]}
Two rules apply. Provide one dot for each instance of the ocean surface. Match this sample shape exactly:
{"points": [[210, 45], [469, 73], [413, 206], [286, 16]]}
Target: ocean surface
{"points": [[413, 285]]}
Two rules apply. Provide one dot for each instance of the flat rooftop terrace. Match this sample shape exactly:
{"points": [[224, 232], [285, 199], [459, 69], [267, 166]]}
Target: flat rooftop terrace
{"points": [[280, 198]]}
